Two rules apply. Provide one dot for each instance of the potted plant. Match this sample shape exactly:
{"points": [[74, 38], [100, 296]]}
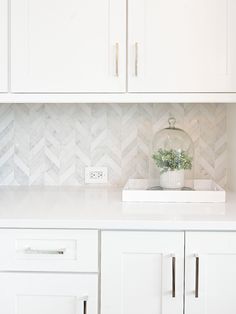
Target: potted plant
{"points": [[172, 164]]}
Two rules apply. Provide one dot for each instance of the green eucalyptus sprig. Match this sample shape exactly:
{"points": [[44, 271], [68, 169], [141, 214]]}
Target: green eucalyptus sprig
{"points": [[170, 160]]}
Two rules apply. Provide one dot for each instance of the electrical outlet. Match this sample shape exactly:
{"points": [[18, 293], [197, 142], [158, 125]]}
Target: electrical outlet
{"points": [[96, 175]]}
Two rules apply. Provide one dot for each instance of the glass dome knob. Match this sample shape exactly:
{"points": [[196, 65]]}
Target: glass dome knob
{"points": [[172, 122]]}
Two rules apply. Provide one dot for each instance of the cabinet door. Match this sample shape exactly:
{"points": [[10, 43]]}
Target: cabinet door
{"points": [[3, 45], [68, 45], [142, 272], [48, 293], [210, 273], [182, 45]]}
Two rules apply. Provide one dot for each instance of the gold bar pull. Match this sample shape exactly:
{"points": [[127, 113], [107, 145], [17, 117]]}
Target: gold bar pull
{"points": [[197, 265], [117, 59], [136, 59]]}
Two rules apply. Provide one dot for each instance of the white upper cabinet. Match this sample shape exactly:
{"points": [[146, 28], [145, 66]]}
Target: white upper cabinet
{"points": [[210, 273], [76, 51], [142, 272], [182, 46], [65, 46], [3, 46]]}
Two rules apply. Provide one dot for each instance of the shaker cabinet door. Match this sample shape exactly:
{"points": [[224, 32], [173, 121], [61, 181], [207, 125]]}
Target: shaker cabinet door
{"points": [[182, 46], [48, 293], [210, 273], [68, 46], [3, 46], [142, 272]]}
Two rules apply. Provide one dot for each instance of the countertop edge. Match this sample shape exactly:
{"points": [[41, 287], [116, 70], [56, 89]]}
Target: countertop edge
{"points": [[119, 225]]}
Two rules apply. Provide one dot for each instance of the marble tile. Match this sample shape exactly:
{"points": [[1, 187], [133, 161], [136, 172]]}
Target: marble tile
{"points": [[50, 144]]}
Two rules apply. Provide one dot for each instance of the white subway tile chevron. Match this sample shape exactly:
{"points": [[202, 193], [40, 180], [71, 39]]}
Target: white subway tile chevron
{"points": [[51, 144]]}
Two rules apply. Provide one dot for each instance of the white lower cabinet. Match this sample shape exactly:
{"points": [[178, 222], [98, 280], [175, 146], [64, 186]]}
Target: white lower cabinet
{"points": [[48, 271], [45, 293], [139, 273], [210, 273], [142, 272]]}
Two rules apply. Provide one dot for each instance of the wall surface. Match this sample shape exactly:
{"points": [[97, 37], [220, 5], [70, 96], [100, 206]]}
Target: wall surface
{"points": [[50, 144], [231, 132]]}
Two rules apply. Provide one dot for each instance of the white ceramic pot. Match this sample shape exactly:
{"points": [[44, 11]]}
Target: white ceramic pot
{"points": [[172, 179]]}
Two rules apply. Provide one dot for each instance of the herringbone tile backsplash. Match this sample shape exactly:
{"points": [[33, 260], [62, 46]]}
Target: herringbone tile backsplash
{"points": [[50, 144]]}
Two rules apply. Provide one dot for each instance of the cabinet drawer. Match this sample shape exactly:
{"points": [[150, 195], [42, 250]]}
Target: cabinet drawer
{"points": [[47, 293], [49, 250]]}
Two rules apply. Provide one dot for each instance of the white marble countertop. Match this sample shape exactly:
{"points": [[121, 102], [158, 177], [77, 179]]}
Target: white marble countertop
{"points": [[102, 208]]}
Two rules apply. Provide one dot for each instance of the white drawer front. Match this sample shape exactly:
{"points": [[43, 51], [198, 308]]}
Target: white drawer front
{"points": [[49, 250], [46, 293]]}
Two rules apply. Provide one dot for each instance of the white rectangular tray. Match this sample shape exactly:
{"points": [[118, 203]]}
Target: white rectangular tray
{"points": [[205, 191]]}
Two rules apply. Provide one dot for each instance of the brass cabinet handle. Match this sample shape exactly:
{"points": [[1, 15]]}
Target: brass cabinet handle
{"points": [[117, 59], [44, 252], [197, 265], [136, 59], [173, 276]]}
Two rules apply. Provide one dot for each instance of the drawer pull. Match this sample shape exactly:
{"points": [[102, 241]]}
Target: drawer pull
{"points": [[197, 261], [82, 305], [85, 307], [117, 59], [44, 252], [173, 276], [136, 59]]}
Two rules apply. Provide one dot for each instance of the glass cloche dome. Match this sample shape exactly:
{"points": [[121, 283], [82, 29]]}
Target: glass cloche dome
{"points": [[173, 153]]}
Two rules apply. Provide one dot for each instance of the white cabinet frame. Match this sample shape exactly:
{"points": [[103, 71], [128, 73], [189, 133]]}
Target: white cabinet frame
{"points": [[3, 46]]}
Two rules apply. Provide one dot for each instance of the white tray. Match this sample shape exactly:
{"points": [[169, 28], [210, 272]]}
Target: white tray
{"points": [[205, 191]]}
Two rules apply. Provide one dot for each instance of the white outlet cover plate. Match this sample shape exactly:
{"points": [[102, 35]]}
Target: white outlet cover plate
{"points": [[100, 175]]}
